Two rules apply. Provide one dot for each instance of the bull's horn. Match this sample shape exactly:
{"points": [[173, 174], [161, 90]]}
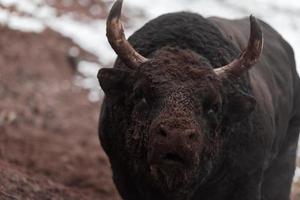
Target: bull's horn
{"points": [[248, 57], [117, 40]]}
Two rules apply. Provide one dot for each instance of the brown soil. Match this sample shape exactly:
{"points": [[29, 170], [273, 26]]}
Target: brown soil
{"points": [[82, 9], [49, 148], [16, 184]]}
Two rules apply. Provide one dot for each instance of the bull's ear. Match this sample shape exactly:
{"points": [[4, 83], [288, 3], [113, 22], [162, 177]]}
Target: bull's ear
{"points": [[240, 105], [115, 82]]}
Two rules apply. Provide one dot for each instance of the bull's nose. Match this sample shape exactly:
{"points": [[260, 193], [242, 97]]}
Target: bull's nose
{"points": [[168, 133], [173, 146]]}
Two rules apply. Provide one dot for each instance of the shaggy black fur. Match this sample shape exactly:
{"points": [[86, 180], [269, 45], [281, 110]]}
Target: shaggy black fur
{"points": [[186, 31], [232, 139]]}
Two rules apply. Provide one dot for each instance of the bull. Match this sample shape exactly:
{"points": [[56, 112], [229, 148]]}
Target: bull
{"points": [[194, 109]]}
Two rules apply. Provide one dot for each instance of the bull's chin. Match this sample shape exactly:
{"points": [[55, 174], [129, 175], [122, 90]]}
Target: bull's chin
{"points": [[174, 180]]}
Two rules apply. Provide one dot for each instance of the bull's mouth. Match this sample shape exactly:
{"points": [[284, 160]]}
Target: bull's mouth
{"points": [[169, 159], [173, 159], [173, 177], [171, 172]]}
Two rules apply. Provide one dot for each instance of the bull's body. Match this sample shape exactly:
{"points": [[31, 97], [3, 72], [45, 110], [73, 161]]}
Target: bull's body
{"points": [[260, 157], [276, 87]]}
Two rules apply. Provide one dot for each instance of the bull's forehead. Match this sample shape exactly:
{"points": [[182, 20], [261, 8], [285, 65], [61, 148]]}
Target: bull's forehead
{"points": [[182, 86], [183, 98], [173, 65], [177, 75], [178, 104], [177, 100]]}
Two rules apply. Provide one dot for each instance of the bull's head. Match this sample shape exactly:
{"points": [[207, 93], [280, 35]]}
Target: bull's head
{"points": [[176, 105]]}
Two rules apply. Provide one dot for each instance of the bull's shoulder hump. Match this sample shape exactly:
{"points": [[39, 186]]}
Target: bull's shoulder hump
{"points": [[179, 29], [238, 30]]}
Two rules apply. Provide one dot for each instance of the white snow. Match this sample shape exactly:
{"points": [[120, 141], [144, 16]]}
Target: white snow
{"points": [[297, 174], [28, 6], [24, 23], [88, 68], [89, 35], [88, 81]]}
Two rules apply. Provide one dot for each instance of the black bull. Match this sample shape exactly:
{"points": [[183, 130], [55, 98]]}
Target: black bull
{"points": [[162, 140]]}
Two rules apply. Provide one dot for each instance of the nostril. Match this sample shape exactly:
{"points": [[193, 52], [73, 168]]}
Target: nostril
{"points": [[173, 157], [191, 134], [162, 131]]}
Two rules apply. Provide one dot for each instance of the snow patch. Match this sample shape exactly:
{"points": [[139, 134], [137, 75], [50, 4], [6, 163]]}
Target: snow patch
{"points": [[89, 35], [26, 24], [88, 68], [89, 80], [297, 174]]}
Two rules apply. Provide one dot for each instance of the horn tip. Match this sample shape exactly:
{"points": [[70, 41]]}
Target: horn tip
{"points": [[256, 31], [256, 38], [254, 22], [252, 17], [115, 11]]}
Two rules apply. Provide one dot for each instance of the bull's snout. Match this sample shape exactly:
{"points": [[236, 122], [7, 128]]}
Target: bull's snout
{"points": [[173, 146], [187, 135]]}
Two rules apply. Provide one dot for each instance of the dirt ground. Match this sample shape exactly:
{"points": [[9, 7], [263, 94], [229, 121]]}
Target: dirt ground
{"points": [[49, 148]]}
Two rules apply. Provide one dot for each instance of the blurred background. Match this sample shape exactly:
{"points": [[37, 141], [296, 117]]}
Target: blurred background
{"points": [[50, 53]]}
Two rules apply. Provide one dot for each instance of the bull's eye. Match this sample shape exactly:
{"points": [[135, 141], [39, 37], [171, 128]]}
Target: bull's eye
{"points": [[214, 108], [210, 112], [211, 103], [210, 108], [142, 105], [139, 93], [211, 115]]}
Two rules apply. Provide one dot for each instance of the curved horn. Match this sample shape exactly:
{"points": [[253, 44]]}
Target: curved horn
{"points": [[117, 40], [248, 57]]}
